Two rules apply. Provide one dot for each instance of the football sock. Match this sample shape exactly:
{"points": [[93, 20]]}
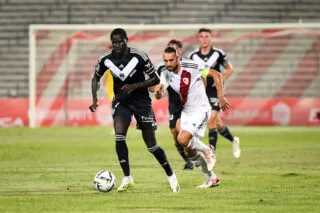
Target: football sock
{"points": [[122, 152], [160, 155], [201, 163], [180, 149], [198, 145], [213, 137], [226, 133]]}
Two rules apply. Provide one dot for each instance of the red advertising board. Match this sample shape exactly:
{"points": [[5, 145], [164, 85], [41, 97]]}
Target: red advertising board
{"points": [[245, 111]]}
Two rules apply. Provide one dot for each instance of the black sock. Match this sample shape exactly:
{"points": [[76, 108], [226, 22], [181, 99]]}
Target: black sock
{"points": [[122, 152], [180, 149], [160, 155], [213, 137], [226, 133]]}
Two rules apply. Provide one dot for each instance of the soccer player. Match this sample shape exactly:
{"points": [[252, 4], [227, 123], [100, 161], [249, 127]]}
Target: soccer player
{"points": [[175, 108], [212, 57], [129, 66], [184, 76]]}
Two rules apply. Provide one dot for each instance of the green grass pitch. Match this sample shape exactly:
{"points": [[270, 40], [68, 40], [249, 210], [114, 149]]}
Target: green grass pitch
{"points": [[52, 170]]}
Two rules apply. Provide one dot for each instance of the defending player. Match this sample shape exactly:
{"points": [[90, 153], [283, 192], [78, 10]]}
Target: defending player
{"points": [[184, 76], [212, 57], [128, 67]]}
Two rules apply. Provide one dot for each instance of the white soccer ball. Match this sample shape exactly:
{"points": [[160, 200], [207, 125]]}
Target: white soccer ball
{"points": [[104, 181]]}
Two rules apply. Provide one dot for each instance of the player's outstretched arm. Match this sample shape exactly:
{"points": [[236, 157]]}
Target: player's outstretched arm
{"points": [[224, 104], [95, 84]]}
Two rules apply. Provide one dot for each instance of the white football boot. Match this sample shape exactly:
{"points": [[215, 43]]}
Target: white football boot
{"points": [[210, 182], [173, 182], [127, 183]]}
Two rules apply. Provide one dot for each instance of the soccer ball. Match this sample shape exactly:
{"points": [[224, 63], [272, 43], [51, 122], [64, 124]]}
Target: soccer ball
{"points": [[104, 181]]}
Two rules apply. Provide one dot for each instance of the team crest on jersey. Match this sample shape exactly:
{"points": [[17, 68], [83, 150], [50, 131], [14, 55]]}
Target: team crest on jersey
{"points": [[185, 81]]}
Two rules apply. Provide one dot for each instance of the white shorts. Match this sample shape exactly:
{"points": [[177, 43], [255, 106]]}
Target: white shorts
{"points": [[195, 122]]}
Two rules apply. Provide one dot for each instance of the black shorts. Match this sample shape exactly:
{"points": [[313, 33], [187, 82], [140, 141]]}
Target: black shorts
{"points": [[214, 102], [173, 118], [142, 112]]}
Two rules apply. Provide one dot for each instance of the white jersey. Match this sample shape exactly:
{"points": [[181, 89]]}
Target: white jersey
{"points": [[187, 82]]}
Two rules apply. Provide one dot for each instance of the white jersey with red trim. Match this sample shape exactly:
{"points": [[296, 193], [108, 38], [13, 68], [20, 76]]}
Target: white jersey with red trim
{"points": [[188, 83]]}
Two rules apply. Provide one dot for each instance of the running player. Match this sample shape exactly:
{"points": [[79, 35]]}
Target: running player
{"points": [[128, 67], [213, 58]]}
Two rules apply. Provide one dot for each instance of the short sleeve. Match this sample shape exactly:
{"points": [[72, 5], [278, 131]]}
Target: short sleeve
{"points": [[149, 68], [223, 59], [100, 68]]}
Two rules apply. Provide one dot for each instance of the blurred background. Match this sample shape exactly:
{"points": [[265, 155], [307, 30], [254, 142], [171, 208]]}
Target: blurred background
{"points": [[49, 49]]}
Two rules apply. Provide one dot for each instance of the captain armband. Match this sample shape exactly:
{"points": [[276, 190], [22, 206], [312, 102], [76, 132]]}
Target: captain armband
{"points": [[204, 72]]}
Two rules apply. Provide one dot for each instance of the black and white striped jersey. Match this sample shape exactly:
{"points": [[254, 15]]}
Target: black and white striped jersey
{"points": [[133, 67], [214, 59]]}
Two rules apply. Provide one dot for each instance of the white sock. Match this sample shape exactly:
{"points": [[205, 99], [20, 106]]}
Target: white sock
{"points": [[201, 163], [198, 145]]}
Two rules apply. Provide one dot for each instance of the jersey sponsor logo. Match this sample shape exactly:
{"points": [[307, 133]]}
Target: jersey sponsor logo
{"points": [[125, 72], [145, 119]]}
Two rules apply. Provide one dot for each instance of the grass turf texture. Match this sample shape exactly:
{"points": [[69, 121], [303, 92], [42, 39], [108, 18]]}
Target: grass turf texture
{"points": [[52, 170]]}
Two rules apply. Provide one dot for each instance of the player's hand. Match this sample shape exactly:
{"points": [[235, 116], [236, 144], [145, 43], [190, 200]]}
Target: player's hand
{"points": [[159, 91], [224, 104], [213, 85], [93, 106], [128, 88]]}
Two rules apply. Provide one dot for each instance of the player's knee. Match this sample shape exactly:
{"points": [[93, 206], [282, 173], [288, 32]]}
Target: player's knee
{"points": [[219, 124], [212, 125], [184, 141]]}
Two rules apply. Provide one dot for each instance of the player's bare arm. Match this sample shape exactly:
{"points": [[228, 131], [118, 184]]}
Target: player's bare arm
{"points": [[228, 72], [95, 84], [153, 80], [219, 85]]}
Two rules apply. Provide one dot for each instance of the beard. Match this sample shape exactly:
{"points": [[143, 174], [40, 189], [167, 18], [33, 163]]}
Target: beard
{"points": [[172, 69]]}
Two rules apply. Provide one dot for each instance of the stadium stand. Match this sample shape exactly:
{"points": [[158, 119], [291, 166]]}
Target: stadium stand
{"points": [[16, 15]]}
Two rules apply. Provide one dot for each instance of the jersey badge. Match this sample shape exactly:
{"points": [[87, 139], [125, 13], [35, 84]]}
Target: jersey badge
{"points": [[185, 81]]}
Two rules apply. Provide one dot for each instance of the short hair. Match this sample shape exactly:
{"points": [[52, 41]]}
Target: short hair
{"points": [[119, 31], [175, 42], [171, 50], [204, 30]]}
